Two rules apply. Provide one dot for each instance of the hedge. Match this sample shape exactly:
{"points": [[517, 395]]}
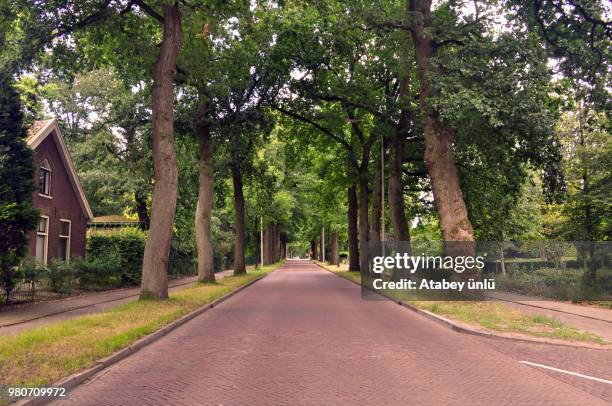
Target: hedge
{"points": [[126, 246]]}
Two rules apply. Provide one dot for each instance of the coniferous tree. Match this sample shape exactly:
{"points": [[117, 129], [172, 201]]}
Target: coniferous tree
{"points": [[17, 216]]}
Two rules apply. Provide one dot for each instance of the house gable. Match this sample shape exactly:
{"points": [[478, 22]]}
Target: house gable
{"points": [[48, 131]]}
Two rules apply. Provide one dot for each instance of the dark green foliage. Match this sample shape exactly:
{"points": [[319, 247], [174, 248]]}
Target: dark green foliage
{"points": [[126, 245], [17, 216], [578, 35], [568, 284], [28, 272], [61, 276], [98, 273], [337, 64]]}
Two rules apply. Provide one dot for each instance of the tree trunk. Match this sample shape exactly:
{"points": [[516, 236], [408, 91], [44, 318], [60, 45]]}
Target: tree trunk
{"points": [[240, 227], [353, 239], [322, 241], [377, 202], [502, 259], [266, 255], [157, 247], [439, 155], [588, 214], [204, 206], [277, 242], [364, 228], [271, 242], [140, 194], [397, 210], [140, 200], [335, 255]]}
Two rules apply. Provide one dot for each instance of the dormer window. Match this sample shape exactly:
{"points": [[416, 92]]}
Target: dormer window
{"points": [[44, 179]]}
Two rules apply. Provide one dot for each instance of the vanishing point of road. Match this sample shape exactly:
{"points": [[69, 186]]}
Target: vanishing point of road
{"points": [[303, 336]]}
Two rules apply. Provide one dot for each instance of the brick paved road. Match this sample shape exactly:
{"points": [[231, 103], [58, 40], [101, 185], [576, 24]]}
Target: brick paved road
{"points": [[303, 336]]}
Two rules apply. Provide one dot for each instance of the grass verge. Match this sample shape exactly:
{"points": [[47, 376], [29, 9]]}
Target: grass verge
{"points": [[493, 316], [43, 355]]}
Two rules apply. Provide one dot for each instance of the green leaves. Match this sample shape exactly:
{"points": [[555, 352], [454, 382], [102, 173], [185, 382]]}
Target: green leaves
{"points": [[577, 35], [17, 216]]}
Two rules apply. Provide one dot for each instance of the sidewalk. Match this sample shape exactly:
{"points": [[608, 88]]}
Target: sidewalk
{"points": [[589, 318], [16, 319]]}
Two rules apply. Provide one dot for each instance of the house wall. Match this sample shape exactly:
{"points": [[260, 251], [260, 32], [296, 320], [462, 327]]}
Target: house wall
{"points": [[63, 204]]}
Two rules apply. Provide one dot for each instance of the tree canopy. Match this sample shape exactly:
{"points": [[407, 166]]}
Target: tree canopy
{"points": [[454, 121]]}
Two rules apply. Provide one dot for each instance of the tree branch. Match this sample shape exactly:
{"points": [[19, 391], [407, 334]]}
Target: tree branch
{"points": [[324, 130], [149, 10]]}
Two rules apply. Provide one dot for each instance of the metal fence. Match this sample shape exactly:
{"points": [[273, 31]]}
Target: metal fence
{"points": [[45, 288], [25, 291]]}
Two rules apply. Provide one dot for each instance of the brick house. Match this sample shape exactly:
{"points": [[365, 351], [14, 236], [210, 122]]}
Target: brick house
{"points": [[59, 196]]}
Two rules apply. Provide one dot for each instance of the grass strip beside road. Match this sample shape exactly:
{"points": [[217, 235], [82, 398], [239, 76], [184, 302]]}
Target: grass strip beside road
{"points": [[493, 316], [45, 354]]}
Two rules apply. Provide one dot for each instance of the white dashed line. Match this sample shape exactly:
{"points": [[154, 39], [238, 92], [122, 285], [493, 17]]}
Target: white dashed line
{"points": [[563, 371]]}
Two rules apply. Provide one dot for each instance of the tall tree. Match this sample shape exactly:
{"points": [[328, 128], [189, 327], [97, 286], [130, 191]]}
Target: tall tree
{"points": [[240, 225], [106, 129], [157, 247], [203, 214], [353, 237], [17, 216], [587, 149], [439, 153], [402, 131], [377, 201]]}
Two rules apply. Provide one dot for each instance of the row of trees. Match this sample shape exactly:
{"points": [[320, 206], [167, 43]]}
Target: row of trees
{"points": [[470, 113], [297, 115]]}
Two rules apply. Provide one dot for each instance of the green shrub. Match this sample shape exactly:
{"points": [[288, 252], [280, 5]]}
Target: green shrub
{"points": [[343, 255], [562, 284], [575, 264], [30, 269], [126, 245], [98, 273], [60, 274], [218, 261]]}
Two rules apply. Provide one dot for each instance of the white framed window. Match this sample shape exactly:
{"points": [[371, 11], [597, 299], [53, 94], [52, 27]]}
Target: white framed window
{"points": [[44, 179], [63, 250], [42, 239]]}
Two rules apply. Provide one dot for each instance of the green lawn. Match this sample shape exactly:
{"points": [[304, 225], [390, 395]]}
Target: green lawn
{"points": [[43, 355], [493, 316]]}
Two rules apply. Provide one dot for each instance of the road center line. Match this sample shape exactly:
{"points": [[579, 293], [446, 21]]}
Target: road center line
{"points": [[563, 371]]}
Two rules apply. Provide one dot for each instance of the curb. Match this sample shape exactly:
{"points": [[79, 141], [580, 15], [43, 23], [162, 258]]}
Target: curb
{"points": [[78, 378], [465, 329]]}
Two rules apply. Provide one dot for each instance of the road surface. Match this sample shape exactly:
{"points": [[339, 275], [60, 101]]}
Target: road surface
{"points": [[303, 336]]}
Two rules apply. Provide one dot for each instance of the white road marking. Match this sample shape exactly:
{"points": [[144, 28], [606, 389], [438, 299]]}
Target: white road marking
{"points": [[563, 371]]}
